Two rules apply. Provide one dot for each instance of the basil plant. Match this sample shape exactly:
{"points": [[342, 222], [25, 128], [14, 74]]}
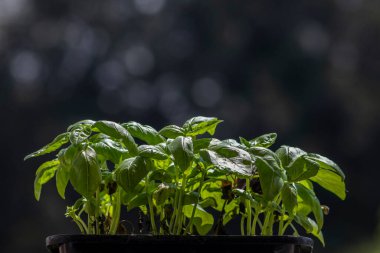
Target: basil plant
{"points": [[184, 182]]}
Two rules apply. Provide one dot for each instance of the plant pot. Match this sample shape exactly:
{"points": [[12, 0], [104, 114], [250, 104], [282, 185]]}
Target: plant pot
{"points": [[177, 244]]}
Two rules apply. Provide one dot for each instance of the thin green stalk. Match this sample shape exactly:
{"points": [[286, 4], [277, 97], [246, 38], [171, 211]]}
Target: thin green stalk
{"points": [[190, 225], [162, 217], [242, 225], [264, 230], [115, 212], [174, 214], [97, 228], [177, 227], [254, 223], [151, 214], [294, 229], [282, 232], [248, 207]]}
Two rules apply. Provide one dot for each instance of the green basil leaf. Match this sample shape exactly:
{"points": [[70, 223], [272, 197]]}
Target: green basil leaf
{"points": [[201, 143], [182, 150], [289, 197], [213, 190], [200, 125], [203, 221], [52, 146], [130, 172], [145, 133], [245, 195], [161, 194], [326, 164], [331, 182], [86, 122], [301, 168], [154, 152], [265, 140], [288, 154], [239, 165], [85, 173], [110, 150], [270, 181], [270, 157], [310, 226], [43, 174], [309, 199], [62, 178], [172, 131], [137, 200], [245, 142], [80, 134], [117, 131], [230, 211]]}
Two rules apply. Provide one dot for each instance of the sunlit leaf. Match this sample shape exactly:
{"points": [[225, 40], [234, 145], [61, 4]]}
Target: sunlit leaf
{"points": [[52, 146]]}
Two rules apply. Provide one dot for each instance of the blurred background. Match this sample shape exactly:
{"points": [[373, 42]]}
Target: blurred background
{"points": [[308, 70]]}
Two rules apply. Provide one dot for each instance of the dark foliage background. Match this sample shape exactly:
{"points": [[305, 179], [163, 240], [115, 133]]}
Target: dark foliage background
{"points": [[308, 70]]}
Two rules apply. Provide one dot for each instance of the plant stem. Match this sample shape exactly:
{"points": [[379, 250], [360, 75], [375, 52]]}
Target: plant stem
{"points": [[178, 222], [282, 232], [97, 230], [254, 223], [242, 225], [151, 214], [171, 225], [115, 212], [190, 225], [264, 230], [248, 207]]}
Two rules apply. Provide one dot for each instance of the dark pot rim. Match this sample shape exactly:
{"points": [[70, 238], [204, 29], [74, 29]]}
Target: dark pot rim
{"points": [[54, 241]]}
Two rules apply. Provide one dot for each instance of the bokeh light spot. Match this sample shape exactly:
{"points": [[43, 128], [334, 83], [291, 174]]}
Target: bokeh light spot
{"points": [[206, 92], [139, 60]]}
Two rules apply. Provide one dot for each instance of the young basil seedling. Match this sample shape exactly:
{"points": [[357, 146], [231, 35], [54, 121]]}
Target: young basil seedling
{"points": [[178, 174]]}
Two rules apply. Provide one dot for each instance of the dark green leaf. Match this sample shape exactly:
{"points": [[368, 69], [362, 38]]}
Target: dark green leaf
{"points": [[327, 164], [310, 226], [289, 197], [309, 199], [85, 173], [203, 221], [240, 164], [200, 125], [43, 174], [172, 131], [62, 178], [52, 146], [213, 190], [202, 143], [245, 142], [161, 194], [271, 183], [265, 140], [86, 122], [270, 157], [79, 134], [245, 195], [154, 152], [182, 150], [130, 172], [137, 200], [110, 150], [145, 133], [117, 131], [301, 168], [289, 154]]}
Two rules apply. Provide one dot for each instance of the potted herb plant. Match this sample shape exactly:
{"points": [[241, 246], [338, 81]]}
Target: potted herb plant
{"points": [[187, 186]]}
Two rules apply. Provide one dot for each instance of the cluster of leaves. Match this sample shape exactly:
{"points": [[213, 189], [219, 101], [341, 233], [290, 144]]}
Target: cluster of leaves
{"points": [[176, 176]]}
